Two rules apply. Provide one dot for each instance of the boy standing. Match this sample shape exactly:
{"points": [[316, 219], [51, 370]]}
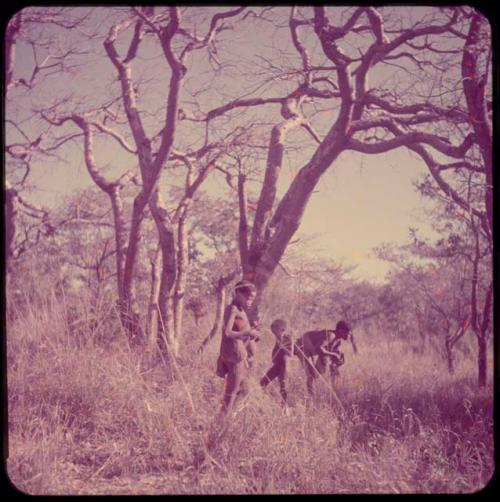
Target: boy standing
{"points": [[237, 347], [282, 350]]}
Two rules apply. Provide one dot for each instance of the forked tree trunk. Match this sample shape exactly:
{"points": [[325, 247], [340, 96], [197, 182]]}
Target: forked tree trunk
{"points": [[288, 215]]}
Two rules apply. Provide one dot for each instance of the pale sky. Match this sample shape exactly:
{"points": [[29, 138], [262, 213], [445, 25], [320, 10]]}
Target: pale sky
{"points": [[362, 201]]}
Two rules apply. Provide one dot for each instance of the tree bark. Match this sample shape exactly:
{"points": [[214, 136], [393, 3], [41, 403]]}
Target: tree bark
{"points": [[180, 281], [129, 309], [288, 214], [167, 237], [10, 225], [220, 293], [152, 322], [120, 235], [481, 360], [219, 309], [482, 337], [474, 83], [10, 48], [449, 355]]}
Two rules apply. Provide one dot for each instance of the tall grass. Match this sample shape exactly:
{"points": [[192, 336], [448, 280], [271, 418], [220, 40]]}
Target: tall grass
{"points": [[89, 415]]}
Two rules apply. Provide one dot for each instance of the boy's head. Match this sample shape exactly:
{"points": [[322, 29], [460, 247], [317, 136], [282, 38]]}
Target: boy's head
{"points": [[244, 293], [342, 330], [278, 326]]}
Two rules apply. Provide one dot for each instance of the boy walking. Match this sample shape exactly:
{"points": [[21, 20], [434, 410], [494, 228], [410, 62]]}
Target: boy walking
{"points": [[282, 351]]}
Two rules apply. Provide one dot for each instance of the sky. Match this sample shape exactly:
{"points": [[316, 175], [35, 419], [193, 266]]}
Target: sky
{"points": [[361, 202]]}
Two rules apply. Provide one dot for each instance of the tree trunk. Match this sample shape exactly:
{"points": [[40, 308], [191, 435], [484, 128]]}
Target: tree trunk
{"points": [[353, 343], [152, 321], [449, 355], [474, 84], [129, 310], [219, 310], [288, 215], [220, 291], [481, 360], [166, 233], [120, 235], [10, 225], [11, 32], [180, 282]]}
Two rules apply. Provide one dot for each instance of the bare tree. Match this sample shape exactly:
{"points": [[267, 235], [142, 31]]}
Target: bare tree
{"points": [[368, 120], [23, 148]]}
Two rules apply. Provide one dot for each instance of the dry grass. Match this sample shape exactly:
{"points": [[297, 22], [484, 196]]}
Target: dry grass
{"points": [[89, 418]]}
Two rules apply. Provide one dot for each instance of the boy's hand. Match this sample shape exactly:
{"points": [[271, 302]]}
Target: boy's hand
{"points": [[255, 334], [339, 359]]}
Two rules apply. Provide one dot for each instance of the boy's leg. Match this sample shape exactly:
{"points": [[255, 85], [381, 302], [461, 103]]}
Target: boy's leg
{"points": [[308, 368], [251, 348], [270, 375], [282, 377], [310, 375], [242, 389], [232, 385], [334, 373]]}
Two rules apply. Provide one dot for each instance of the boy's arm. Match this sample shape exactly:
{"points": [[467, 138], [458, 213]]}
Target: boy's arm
{"points": [[326, 352], [332, 348], [288, 346], [323, 348], [237, 335]]}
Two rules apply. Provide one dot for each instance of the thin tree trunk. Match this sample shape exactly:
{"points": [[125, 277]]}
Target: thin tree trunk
{"points": [[129, 310], [353, 343], [220, 292], [482, 337], [120, 235], [10, 225], [449, 355], [152, 321], [180, 282], [219, 310], [481, 360]]}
